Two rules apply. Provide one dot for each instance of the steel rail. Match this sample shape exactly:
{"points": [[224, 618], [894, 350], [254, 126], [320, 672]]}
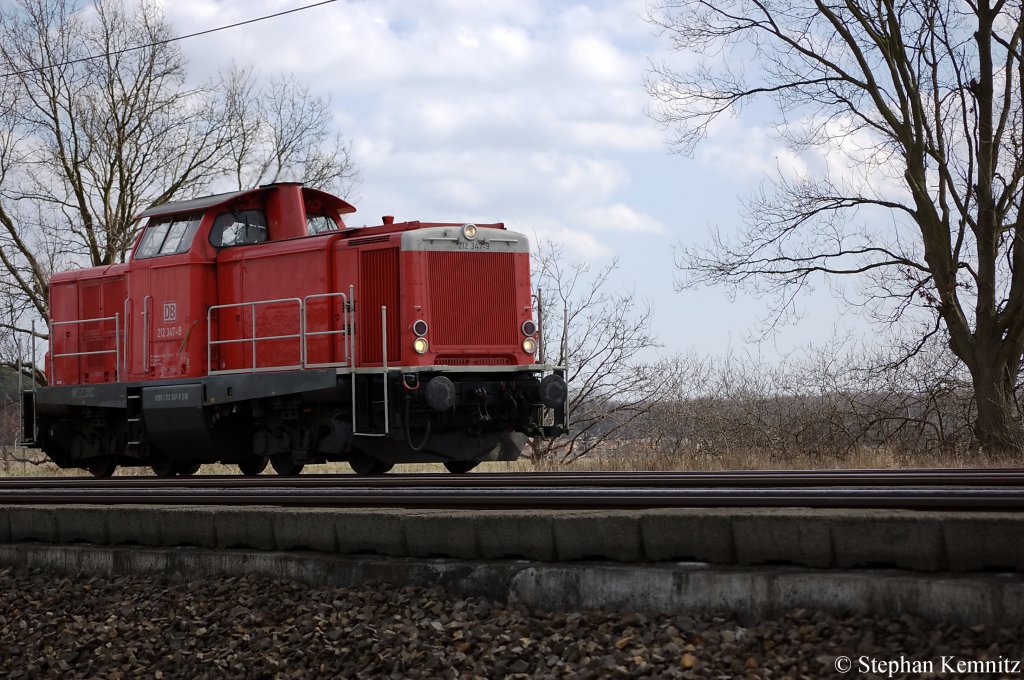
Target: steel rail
{"points": [[936, 498], [626, 480]]}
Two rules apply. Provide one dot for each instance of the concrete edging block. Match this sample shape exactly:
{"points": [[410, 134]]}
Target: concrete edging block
{"points": [[690, 534], [902, 540], [188, 526], [782, 537], [377, 532], [245, 528], [441, 533], [32, 523], [134, 524], [305, 529], [598, 535], [5, 525], [82, 523], [518, 534], [977, 541]]}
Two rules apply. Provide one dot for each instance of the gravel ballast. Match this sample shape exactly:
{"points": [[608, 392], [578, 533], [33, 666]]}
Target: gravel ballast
{"points": [[53, 626]]}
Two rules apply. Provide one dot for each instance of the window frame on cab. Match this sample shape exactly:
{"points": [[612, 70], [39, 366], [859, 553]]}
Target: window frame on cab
{"points": [[185, 236]]}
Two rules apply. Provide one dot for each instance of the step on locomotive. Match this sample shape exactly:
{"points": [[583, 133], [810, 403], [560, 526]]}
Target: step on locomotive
{"points": [[255, 326]]}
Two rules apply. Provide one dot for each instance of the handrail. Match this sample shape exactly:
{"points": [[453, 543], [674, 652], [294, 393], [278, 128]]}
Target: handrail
{"points": [[344, 330], [146, 339], [210, 342], [127, 331], [348, 319], [384, 372], [116, 351]]}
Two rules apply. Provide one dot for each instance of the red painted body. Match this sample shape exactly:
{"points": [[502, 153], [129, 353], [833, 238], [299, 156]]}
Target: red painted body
{"points": [[155, 309]]}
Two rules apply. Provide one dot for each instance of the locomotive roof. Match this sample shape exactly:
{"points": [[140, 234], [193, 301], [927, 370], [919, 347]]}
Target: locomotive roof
{"points": [[204, 202]]}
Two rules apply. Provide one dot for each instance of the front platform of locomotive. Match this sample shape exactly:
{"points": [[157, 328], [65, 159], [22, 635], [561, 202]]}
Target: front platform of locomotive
{"points": [[469, 387]]}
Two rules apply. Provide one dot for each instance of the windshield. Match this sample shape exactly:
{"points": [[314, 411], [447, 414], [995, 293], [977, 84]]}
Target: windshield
{"points": [[168, 235]]}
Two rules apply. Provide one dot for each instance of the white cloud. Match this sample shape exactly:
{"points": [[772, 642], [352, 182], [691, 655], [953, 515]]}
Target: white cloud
{"points": [[748, 153], [521, 111], [467, 109], [851, 159], [620, 217], [594, 58], [579, 244]]}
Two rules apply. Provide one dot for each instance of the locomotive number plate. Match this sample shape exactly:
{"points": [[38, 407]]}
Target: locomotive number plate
{"points": [[168, 332]]}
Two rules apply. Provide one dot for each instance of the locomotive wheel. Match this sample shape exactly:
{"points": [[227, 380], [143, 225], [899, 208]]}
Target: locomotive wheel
{"points": [[186, 469], [362, 464], [461, 467], [102, 468], [163, 467], [251, 467], [285, 466]]}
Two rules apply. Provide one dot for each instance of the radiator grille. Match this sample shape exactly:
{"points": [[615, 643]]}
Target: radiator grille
{"points": [[472, 299], [378, 286], [445, 360]]}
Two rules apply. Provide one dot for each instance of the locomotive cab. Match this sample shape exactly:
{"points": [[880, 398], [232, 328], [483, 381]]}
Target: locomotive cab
{"points": [[256, 326]]}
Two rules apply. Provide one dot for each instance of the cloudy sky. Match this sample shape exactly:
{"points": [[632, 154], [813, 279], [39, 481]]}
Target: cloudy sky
{"points": [[526, 112]]}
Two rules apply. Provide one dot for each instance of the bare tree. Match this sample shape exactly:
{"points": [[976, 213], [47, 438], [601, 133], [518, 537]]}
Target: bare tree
{"points": [[281, 130], [608, 351], [821, 408], [97, 123], [918, 109]]}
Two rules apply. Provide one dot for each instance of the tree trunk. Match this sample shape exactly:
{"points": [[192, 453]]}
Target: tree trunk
{"points": [[998, 425]]}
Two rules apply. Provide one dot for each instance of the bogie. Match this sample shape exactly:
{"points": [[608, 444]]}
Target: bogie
{"points": [[102, 468], [164, 467], [363, 464], [460, 467], [250, 467], [285, 466]]}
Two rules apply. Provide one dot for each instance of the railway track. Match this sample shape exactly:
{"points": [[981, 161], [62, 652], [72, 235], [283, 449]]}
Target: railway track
{"points": [[938, 489]]}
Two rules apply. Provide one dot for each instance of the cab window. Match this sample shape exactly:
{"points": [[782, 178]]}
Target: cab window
{"points": [[318, 224], [168, 235], [238, 228]]}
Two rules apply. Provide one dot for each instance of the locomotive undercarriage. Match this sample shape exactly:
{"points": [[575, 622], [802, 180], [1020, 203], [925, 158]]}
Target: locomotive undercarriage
{"points": [[294, 419]]}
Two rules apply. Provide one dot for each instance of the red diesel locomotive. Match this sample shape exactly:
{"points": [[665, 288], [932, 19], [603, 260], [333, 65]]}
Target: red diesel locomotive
{"points": [[255, 326]]}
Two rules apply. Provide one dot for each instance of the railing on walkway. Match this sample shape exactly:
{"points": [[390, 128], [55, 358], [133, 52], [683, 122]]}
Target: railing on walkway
{"points": [[79, 322], [254, 337], [347, 327], [302, 335]]}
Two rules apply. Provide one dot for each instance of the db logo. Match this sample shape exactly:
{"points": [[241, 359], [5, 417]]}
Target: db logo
{"points": [[170, 311]]}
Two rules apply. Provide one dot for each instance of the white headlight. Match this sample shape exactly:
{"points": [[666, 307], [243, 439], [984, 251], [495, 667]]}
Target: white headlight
{"points": [[420, 345], [529, 345], [469, 231]]}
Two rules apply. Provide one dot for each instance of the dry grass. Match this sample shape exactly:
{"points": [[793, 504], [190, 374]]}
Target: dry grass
{"points": [[621, 459], [627, 459]]}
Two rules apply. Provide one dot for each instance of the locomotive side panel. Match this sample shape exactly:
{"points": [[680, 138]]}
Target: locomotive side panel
{"points": [[180, 293], [87, 326], [345, 269], [262, 289], [226, 322], [63, 370], [377, 306]]}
